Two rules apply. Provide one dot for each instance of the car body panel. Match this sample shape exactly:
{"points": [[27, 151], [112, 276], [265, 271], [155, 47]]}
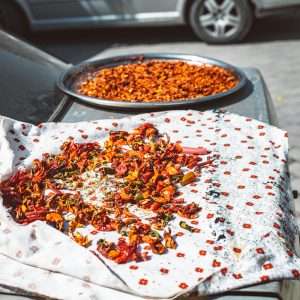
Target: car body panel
{"points": [[64, 14], [48, 14], [27, 80], [273, 4]]}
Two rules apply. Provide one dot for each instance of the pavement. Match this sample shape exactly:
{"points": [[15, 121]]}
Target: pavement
{"points": [[273, 47]]}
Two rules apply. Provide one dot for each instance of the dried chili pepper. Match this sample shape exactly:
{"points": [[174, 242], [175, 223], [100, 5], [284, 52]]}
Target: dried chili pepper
{"points": [[157, 80], [140, 168], [169, 240], [188, 178], [188, 227]]}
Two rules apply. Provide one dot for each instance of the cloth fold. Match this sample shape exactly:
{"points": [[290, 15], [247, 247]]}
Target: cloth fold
{"points": [[247, 227]]}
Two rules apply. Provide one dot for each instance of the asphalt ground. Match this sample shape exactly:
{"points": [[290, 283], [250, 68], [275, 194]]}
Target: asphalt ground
{"points": [[273, 46]]}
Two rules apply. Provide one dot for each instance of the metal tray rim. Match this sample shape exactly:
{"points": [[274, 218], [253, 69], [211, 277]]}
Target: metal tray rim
{"points": [[84, 66]]}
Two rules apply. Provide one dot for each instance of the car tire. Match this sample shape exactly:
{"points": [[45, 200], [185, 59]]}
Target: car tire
{"points": [[221, 21], [12, 19]]}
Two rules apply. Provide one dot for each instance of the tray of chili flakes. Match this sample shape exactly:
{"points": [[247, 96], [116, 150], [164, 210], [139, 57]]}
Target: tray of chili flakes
{"points": [[156, 205], [151, 80]]}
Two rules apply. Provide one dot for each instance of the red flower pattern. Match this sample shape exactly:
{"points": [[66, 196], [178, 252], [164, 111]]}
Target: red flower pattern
{"points": [[143, 281], [199, 270], [183, 285]]}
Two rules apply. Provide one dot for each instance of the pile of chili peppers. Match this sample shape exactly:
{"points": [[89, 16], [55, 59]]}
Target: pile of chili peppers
{"points": [[144, 170], [157, 80]]}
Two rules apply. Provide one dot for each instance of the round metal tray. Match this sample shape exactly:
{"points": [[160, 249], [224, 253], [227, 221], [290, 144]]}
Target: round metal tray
{"points": [[70, 79]]}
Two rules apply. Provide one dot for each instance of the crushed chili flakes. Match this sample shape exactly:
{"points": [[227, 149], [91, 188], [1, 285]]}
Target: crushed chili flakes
{"points": [[157, 80], [146, 170]]}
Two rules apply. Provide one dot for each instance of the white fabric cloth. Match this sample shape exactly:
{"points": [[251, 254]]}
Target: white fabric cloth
{"points": [[247, 224]]}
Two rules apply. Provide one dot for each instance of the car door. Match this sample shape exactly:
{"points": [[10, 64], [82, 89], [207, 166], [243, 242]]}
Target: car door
{"points": [[56, 9], [47, 14], [153, 6], [107, 9], [151, 10], [134, 9]]}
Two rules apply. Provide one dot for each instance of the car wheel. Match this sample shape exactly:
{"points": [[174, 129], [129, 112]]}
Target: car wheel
{"points": [[12, 19], [221, 21]]}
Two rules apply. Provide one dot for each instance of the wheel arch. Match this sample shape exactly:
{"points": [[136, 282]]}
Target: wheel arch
{"points": [[187, 6]]}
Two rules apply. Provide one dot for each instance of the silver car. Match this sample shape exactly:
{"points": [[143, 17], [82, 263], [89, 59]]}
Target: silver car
{"points": [[214, 21]]}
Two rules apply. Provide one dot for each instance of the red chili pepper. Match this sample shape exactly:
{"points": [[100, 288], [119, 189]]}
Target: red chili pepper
{"points": [[197, 151], [121, 169], [148, 168]]}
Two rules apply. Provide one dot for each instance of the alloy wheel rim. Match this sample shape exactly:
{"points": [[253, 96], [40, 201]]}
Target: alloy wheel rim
{"points": [[220, 18]]}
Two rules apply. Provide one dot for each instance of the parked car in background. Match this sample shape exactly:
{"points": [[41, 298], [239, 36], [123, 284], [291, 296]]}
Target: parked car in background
{"points": [[214, 21]]}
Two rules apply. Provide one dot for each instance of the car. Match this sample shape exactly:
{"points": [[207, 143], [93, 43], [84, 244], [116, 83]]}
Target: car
{"points": [[214, 21]]}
